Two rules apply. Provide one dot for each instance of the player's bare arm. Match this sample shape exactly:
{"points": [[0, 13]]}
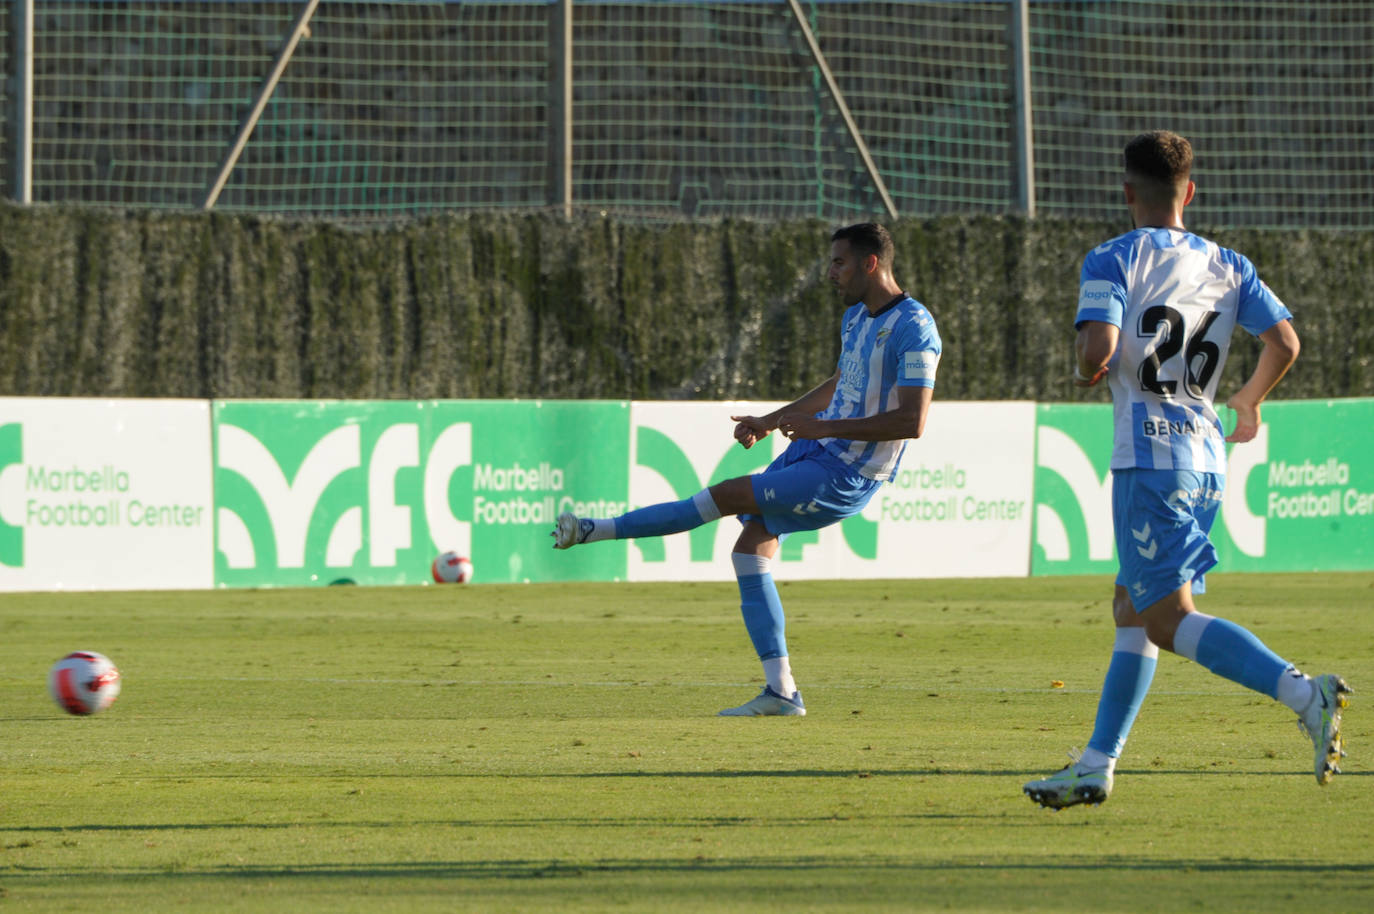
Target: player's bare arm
{"points": [[1093, 351], [1279, 352], [749, 430], [907, 420]]}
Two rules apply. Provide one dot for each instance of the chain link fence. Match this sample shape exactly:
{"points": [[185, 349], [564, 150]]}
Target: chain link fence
{"points": [[762, 109]]}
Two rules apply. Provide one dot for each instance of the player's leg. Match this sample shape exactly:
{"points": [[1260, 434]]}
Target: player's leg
{"points": [[1165, 552], [1234, 652], [733, 496], [764, 620], [808, 491], [1129, 674], [1088, 778]]}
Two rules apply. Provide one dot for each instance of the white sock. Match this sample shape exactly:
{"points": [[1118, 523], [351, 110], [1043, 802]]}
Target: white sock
{"points": [[1093, 760], [706, 506], [778, 672], [1133, 640], [1189, 633], [1295, 690], [748, 563], [603, 528]]}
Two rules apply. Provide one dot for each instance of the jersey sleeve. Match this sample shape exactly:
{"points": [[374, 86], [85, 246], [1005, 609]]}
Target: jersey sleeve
{"points": [[918, 351], [1102, 287], [1259, 307]]}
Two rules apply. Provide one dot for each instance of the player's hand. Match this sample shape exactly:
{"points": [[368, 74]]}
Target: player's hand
{"points": [[1247, 420], [750, 430], [800, 425], [1080, 380]]}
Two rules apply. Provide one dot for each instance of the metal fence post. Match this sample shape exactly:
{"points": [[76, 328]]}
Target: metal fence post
{"points": [[250, 120], [843, 106], [1022, 121], [561, 106], [21, 124]]}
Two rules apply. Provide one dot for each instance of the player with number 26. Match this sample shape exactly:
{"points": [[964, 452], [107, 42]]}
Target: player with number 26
{"points": [[1156, 310]]}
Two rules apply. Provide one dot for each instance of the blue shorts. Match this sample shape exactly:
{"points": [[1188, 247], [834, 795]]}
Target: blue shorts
{"points": [[1162, 518], [807, 488]]}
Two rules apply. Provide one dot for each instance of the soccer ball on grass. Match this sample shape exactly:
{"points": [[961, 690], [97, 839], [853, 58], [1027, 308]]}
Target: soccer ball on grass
{"points": [[451, 568], [84, 682]]}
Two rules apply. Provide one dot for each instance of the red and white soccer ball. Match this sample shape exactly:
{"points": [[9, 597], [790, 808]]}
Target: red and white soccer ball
{"points": [[84, 682], [451, 568]]}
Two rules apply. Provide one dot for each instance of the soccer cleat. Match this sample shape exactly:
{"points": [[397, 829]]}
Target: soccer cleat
{"points": [[1070, 786], [768, 704], [571, 530], [1321, 720]]}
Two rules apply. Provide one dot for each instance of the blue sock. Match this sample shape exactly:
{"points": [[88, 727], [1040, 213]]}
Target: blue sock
{"points": [[1134, 658], [760, 605], [667, 517], [1230, 651]]}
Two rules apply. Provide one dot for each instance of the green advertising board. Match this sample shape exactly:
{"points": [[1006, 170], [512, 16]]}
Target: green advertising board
{"points": [[318, 492], [368, 492], [1071, 530], [1299, 497]]}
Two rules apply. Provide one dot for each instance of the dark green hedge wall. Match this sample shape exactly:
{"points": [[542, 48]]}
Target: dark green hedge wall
{"points": [[144, 304]]}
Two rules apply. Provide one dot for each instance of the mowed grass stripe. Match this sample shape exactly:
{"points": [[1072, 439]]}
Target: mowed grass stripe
{"points": [[506, 748]]}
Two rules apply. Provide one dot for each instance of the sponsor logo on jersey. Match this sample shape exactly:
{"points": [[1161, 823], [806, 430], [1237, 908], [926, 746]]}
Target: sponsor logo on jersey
{"points": [[1194, 498], [920, 366], [1096, 292]]}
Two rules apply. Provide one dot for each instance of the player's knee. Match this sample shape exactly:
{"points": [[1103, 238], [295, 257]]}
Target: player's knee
{"points": [[734, 496], [1161, 632], [1123, 610], [1161, 622]]}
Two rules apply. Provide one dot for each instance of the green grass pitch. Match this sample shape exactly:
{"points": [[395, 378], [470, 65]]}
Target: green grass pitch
{"points": [[555, 748]]}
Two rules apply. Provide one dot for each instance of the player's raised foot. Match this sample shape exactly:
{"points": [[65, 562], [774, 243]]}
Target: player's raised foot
{"points": [[570, 530], [1321, 720], [769, 704], [1071, 785]]}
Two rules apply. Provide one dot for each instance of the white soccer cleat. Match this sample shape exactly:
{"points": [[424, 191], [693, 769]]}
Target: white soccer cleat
{"points": [[1071, 785], [768, 704], [571, 530], [1321, 720]]}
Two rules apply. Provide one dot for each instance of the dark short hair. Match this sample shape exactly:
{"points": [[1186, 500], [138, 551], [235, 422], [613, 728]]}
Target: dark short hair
{"points": [[1161, 159], [868, 238]]}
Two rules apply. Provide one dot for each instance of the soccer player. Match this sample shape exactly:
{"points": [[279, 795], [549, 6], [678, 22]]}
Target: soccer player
{"points": [[847, 436], [1156, 309]]}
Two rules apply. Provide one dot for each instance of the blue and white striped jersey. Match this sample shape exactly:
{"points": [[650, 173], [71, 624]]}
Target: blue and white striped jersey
{"points": [[1177, 298], [897, 347]]}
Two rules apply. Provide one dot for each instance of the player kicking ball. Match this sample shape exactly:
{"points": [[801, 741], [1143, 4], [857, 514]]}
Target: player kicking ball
{"points": [[847, 436], [1156, 309]]}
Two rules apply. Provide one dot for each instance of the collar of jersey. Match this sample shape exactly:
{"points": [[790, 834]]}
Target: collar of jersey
{"points": [[901, 297]]}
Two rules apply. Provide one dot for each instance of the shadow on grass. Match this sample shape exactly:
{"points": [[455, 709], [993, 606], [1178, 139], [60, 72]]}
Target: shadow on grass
{"points": [[599, 822], [519, 868], [812, 882], [845, 773]]}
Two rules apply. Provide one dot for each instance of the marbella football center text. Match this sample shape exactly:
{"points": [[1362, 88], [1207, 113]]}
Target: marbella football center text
{"points": [[529, 495]]}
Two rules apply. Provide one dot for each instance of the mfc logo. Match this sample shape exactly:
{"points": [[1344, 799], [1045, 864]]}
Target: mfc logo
{"points": [[1091, 499], [293, 507], [11, 455]]}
